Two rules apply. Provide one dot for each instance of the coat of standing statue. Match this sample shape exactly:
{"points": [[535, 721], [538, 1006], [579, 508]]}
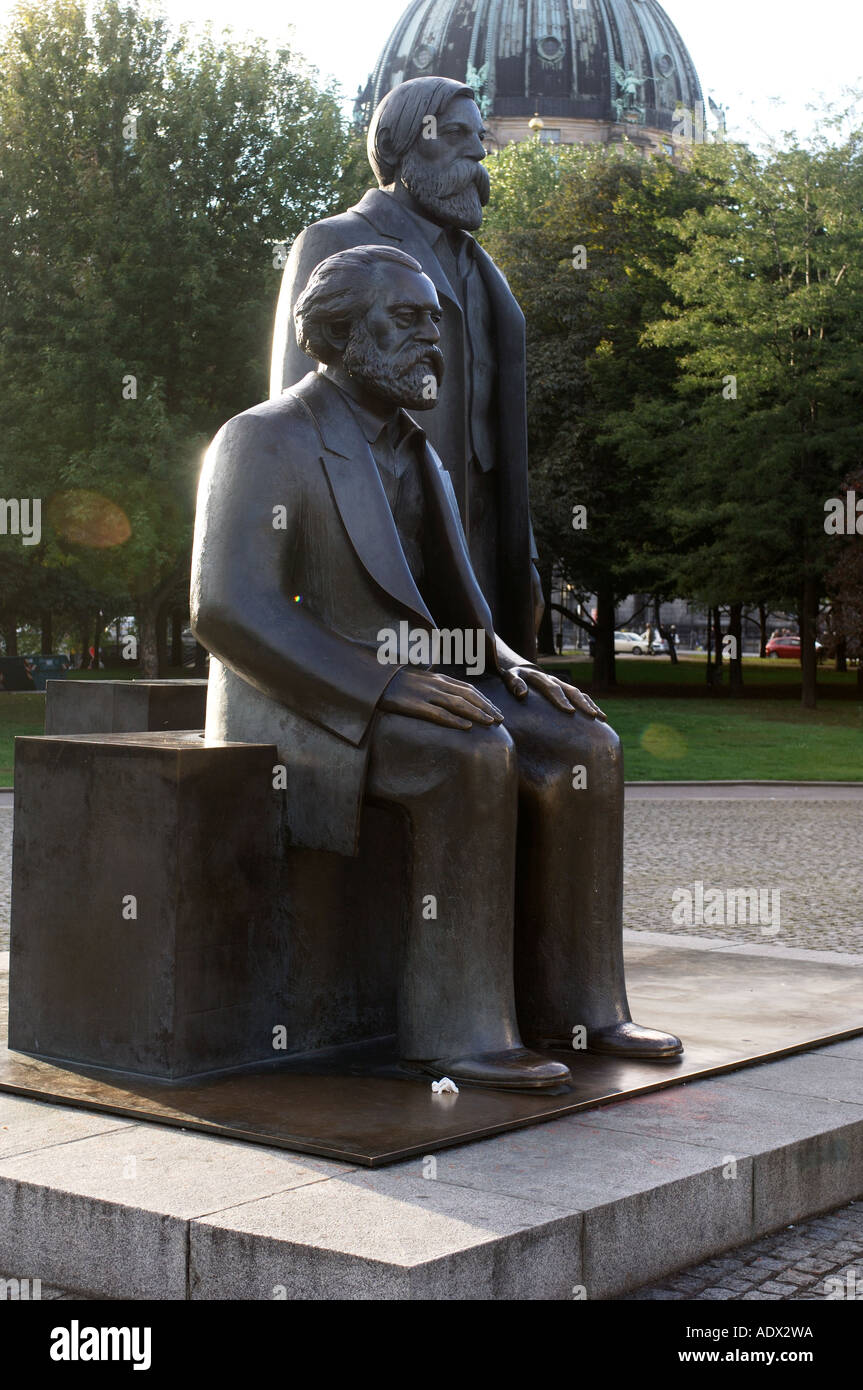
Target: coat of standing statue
{"points": [[425, 145]]}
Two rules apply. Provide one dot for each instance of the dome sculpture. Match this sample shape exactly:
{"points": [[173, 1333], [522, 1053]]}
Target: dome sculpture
{"points": [[587, 70]]}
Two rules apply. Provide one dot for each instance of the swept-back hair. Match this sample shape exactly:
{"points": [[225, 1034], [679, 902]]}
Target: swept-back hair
{"points": [[341, 289], [398, 120]]}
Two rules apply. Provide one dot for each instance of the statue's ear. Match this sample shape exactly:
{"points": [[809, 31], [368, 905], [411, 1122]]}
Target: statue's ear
{"points": [[387, 158], [336, 333]]}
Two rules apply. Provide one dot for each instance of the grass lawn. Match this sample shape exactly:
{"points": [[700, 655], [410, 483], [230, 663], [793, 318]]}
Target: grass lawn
{"points": [[684, 740], [691, 670], [664, 739], [20, 713]]}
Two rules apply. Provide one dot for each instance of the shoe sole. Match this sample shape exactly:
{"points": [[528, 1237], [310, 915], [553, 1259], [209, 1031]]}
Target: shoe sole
{"points": [[565, 1045], [460, 1081]]}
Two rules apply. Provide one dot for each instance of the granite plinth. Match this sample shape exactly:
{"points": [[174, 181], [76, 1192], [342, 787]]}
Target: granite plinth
{"points": [[106, 707]]}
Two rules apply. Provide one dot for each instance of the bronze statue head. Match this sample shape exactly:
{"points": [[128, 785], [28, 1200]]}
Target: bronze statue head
{"points": [[426, 139], [370, 315]]}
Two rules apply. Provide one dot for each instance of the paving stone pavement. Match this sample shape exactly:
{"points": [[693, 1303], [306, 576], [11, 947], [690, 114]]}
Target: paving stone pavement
{"points": [[11, 1291], [821, 1258], [807, 848]]}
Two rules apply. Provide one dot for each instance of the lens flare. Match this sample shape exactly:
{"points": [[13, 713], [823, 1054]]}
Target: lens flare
{"points": [[89, 519], [661, 741]]}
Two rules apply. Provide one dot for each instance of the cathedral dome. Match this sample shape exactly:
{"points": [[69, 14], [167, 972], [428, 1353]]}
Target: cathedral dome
{"points": [[591, 69]]}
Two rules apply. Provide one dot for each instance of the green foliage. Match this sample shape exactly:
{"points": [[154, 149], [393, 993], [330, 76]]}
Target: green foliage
{"points": [[764, 320], [845, 583], [585, 237], [147, 177], [695, 373]]}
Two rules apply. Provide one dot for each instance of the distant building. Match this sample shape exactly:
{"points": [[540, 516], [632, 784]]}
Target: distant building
{"points": [[571, 71]]}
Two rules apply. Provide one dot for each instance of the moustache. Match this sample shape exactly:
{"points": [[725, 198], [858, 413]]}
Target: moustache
{"points": [[461, 175], [428, 357]]}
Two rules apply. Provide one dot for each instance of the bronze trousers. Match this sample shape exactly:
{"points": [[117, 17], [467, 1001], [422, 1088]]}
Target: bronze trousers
{"points": [[515, 895]]}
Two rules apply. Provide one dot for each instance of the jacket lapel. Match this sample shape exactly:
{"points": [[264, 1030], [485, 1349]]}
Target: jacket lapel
{"points": [[383, 212], [505, 308], [358, 492]]}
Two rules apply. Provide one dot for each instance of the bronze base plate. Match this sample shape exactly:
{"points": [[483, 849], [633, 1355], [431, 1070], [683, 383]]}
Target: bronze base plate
{"points": [[358, 1104]]}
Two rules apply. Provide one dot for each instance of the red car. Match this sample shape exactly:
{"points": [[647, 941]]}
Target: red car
{"points": [[788, 647]]}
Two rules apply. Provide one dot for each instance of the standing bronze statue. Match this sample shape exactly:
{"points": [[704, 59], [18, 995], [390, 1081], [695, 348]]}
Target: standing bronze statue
{"points": [[326, 523], [425, 145]]}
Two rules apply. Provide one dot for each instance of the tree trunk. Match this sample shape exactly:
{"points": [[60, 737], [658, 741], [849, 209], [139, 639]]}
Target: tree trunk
{"points": [[85, 644], [762, 622], [176, 637], [842, 654], [47, 634], [664, 632], [545, 631], [162, 641], [9, 628], [807, 622], [604, 674], [714, 645], [735, 630], [717, 641], [148, 642], [860, 677], [97, 641]]}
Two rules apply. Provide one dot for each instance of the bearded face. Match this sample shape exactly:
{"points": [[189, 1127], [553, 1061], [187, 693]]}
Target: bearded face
{"points": [[402, 377], [454, 196]]}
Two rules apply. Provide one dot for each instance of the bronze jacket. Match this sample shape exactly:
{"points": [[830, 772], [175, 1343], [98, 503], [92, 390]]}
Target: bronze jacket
{"points": [[297, 567]]}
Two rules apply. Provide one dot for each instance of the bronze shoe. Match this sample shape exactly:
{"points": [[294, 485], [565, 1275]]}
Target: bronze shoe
{"points": [[631, 1040], [624, 1039], [516, 1069]]}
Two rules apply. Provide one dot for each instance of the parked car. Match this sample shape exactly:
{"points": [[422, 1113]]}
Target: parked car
{"points": [[788, 648], [657, 645], [630, 642]]}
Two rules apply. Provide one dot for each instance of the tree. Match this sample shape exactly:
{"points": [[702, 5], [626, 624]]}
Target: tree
{"points": [[845, 584], [768, 299], [149, 182], [585, 235]]}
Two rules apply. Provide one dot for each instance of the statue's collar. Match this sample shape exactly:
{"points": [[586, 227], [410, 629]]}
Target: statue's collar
{"points": [[398, 424], [330, 405], [395, 220]]}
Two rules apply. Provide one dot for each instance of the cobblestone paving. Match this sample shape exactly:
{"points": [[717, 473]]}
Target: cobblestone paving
{"points": [[818, 1259], [812, 851], [13, 1292]]}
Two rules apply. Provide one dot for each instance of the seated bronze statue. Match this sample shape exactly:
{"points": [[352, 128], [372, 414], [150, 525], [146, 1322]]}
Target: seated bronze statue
{"points": [[333, 587]]}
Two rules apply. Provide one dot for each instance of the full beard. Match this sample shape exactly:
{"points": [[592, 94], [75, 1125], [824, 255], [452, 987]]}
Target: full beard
{"points": [[401, 380], [454, 197]]}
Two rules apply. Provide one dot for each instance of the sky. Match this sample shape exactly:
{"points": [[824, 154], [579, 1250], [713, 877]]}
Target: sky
{"points": [[764, 60]]}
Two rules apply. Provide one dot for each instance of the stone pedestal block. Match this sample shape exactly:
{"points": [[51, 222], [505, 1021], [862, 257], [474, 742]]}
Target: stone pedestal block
{"points": [[161, 926], [124, 707]]}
